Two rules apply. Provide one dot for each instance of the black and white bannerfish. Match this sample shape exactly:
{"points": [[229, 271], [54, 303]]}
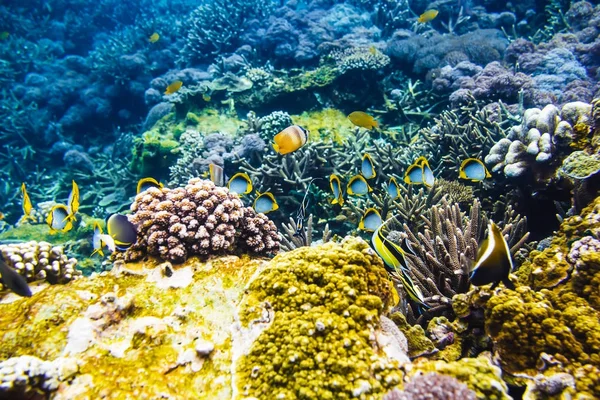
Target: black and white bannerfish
{"points": [[58, 219], [367, 167], [336, 189], [122, 231], [474, 170], [419, 173], [358, 186], [240, 183], [216, 174], [394, 259], [265, 203], [146, 183], [301, 214], [493, 263], [12, 280], [370, 221], [393, 189]]}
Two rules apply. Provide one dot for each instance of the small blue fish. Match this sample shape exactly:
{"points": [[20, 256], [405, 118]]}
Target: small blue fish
{"points": [[358, 186], [414, 175], [123, 232], [336, 189], [428, 178], [370, 221], [240, 183], [473, 170], [367, 168], [265, 203], [146, 183], [393, 189]]}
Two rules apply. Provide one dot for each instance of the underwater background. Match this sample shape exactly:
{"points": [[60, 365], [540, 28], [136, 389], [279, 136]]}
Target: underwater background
{"points": [[243, 199]]}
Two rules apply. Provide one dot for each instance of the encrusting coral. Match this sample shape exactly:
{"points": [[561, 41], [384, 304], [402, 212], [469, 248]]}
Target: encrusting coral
{"points": [[198, 219], [320, 310], [40, 260]]}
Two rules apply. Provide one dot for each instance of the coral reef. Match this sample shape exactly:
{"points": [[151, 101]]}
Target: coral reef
{"points": [[40, 260], [432, 386], [198, 219]]}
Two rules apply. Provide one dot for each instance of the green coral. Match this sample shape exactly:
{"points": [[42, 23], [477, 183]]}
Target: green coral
{"points": [[326, 303], [154, 152], [478, 374], [580, 165], [328, 124], [418, 343]]}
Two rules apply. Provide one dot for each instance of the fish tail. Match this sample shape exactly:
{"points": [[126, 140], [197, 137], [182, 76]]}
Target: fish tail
{"points": [[276, 147]]}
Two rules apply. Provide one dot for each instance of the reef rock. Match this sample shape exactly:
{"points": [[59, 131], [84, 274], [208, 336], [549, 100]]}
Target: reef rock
{"points": [[306, 324]]}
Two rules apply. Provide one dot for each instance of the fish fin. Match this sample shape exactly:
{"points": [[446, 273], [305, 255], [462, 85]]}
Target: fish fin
{"points": [[508, 283], [97, 251], [276, 147]]}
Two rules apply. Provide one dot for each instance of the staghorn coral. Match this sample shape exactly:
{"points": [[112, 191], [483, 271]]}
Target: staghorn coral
{"points": [[334, 347], [217, 26], [40, 260], [358, 58], [198, 219]]}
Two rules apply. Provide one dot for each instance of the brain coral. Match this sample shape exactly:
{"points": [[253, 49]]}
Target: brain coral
{"points": [[198, 219], [322, 309]]}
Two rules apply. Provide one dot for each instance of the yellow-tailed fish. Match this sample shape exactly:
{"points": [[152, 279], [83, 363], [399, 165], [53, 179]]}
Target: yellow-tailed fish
{"points": [[206, 97], [428, 16], [2, 216], [363, 120], [428, 178], [216, 174], [121, 230], [14, 281], [290, 139], [240, 183], [73, 203], [370, 221], [173, 87], [493, 263], [474, 170], [367, 168], [336, 189], [394, 259], [358, 186], [154, 38], [265, 203], [58, 219], [393, 189], [147, 183], [27, 206]]}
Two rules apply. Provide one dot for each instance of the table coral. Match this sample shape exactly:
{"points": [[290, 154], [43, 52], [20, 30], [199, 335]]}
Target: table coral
{"points": [[319, 339], [198, 219]]}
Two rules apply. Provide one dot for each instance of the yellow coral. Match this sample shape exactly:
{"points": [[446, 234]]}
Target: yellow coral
{"points": [[326, 303], [325, 125]]}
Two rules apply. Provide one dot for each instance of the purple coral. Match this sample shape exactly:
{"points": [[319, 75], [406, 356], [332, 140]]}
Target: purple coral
{"points": [[199, 219], [432, 386]]}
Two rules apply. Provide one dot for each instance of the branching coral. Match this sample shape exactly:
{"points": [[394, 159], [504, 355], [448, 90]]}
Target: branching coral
{"points": [[198, 219], [216, 26], [445, 250], [291, 239]]}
